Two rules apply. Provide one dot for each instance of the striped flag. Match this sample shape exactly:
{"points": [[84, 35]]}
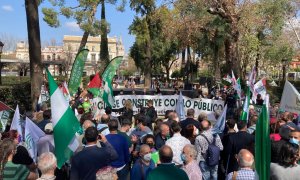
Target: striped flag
{"points": [[65, 124], [263, 146], [236, 84], [245, 112], [107, 77], [32, 135], [180, 107], [95, 85]]}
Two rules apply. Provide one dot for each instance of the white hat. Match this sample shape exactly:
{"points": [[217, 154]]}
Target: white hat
{"points": [[49, 127]]}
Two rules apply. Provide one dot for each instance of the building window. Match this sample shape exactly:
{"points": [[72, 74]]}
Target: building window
{"points": [[48, 57], [93, 48], [93, 57], [53, 56], [58, 57]]}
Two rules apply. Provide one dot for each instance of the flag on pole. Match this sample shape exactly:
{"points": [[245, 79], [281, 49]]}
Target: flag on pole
{"points": [[260, 88], [77, 70], [65, 91], [290, 99], [16, 123], [263, 146], [95, 85], [44, 95], [4, 115], [180, 107], [227, 80], [107, 77], [252, 79], [220, 124], [245, 112], [236, 84], [65, 124], [32, 135]]}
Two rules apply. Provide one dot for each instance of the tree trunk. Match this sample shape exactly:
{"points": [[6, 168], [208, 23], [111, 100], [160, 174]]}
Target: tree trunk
{"points": [[104, 54], [36, 69], [83, 41]]}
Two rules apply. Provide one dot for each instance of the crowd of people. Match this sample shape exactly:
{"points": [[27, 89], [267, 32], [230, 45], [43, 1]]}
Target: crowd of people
{"points": [[144, 146]]}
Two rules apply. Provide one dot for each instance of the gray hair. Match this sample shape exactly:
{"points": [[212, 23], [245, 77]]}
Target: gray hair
{"points": [[106, 173], [192, 150], [245, 158], [47, 162]]}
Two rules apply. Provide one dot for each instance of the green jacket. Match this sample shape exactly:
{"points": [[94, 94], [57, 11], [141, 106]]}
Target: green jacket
{"points": [[167, 172]]}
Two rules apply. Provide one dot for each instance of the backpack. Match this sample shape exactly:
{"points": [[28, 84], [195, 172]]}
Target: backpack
{"points": [[212, 153]]}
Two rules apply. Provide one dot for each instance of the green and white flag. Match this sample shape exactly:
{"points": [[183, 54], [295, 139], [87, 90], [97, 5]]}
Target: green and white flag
{"points": [[263, 146], [77, 70], [65, 124], [245, 113], [107, 77]]}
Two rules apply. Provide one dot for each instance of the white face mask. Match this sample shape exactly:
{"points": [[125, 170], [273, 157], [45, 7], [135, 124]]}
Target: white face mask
{"points": [[147, 157], [197, 131], [177, 119]]}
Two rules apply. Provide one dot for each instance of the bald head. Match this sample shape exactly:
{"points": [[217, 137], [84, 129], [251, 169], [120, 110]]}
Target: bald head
{"points": [[144, 149], [165, 154], [245, 158], [87, 124]]}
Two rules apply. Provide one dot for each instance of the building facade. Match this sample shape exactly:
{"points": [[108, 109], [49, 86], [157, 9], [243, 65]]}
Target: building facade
{"points": [[61, 58]]}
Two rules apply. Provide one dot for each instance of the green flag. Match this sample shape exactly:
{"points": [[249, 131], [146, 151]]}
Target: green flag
{"points": [[245, 112], [77, 70], [107, 77], [263, 145], [65, 124]]}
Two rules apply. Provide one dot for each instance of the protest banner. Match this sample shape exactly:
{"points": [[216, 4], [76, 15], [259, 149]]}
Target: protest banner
{"points": [[162, 103], [77, 70]]}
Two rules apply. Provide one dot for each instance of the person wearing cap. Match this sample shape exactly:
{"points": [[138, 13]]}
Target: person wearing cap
{"points": [[46, 143]]}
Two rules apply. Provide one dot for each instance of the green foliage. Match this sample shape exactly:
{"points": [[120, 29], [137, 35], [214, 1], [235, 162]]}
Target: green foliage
{"points": [[50, 17], [17, 94], [177, 74], [67, 12]]}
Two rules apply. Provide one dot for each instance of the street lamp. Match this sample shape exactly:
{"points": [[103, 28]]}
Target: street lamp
{"points": [[284, 64], [1, 48]]}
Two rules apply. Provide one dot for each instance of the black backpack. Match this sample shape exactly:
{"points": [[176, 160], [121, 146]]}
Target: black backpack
{"points": [[212, 153]]}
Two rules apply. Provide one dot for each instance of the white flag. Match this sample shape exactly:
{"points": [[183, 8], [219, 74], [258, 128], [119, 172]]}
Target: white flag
{"points": [[32, 135], [16, 123], [290, 99], [180, 107], [252, 79], [260, 88], [220, 124]]}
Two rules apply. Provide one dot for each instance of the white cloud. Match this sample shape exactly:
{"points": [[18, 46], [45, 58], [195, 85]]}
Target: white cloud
{"points": [[7, 8], [72, 26]]}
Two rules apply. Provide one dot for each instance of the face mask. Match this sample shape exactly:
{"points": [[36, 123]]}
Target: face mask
{"points": [[183, 158], [294, 141], [147, 157], [197, 131], [177, 119]]}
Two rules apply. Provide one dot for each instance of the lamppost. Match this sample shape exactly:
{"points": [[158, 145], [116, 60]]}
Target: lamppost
{"points": [[1, 47], [284, 64]]}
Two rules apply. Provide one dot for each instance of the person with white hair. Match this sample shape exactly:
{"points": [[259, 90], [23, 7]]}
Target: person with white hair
{"points": [[245, 160], [47, 164], [191, 167]]}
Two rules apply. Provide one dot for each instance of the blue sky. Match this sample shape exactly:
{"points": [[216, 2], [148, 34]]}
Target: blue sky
{"points": [[13, 23]]}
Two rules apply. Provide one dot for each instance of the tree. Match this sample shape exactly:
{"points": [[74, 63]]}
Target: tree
{"points": [[143, 28], [36, 69], [85, 15]]}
